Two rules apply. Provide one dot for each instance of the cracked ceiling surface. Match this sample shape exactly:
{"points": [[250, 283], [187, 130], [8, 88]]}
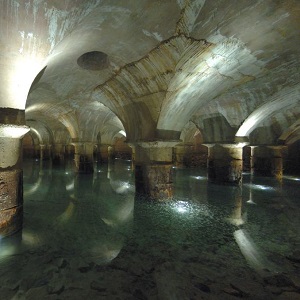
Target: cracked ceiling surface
{"points": [[157, 69]]}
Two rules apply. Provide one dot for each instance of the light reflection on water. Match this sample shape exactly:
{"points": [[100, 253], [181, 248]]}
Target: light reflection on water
{"points": [[98, 220]]}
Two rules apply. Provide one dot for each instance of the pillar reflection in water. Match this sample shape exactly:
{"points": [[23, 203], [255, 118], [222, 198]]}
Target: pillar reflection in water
{"points": [[76, 225], [98, 214], [88, 215], [252, 252], [9, 245], [237, 217]]}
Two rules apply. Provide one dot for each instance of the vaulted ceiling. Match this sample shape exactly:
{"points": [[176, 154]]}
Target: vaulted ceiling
{"points": [[154, 68]]}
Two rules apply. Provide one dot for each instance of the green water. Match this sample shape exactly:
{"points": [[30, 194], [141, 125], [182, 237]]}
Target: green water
{"points": [[92, 237]]}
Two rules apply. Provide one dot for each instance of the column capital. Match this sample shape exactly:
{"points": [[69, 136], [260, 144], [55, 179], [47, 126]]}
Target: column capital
{"points": [[227, 145], [13, 131], [82, 143], [189, 144], [233, 145], [104, 145], [277, 147], [209, 145], [267, 147], [242, 139], [154, 151], [44, 146], [77, 143], [155, 144]]}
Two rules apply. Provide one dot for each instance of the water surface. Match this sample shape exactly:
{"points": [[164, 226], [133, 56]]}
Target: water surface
{"points": [[91, 236]]}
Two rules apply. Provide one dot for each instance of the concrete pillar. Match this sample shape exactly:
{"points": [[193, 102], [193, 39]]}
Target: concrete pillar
{"points": [[225, 163], [267, 160], [59, 151], [83, 157], [153, 169], [11, 178]]}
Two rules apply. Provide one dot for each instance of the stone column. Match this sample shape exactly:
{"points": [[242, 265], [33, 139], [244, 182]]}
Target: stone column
{"points": [[210, 161], [59, 151], [153, 169], [247, 158], [183, 155], [45, 152], [37, 151], [69, 150], [225, 163], [104, 153], [267, 160], [83, 157], [42, 151], [11, 178], [132, 156], [111, 152]]}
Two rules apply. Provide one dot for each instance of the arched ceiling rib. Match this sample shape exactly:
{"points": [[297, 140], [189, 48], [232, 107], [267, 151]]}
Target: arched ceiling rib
{"points": [[273, 128], [36, 136], [43, 132], [82, 124], [291, 135], [139, 88], [282, 100], [189, 132]]}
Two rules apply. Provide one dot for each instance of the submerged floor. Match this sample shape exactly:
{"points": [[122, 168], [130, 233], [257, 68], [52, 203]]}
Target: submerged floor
{"points": [[91, 237]]}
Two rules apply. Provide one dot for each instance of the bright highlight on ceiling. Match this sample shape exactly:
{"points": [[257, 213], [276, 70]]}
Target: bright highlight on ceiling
{"points": [[21, 77]]}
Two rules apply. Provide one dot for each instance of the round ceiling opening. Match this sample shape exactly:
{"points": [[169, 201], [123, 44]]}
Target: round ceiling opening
{"points": [[94, 60]]}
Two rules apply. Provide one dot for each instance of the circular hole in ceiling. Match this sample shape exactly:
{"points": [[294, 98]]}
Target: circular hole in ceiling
{"points": [[94, 60]]}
